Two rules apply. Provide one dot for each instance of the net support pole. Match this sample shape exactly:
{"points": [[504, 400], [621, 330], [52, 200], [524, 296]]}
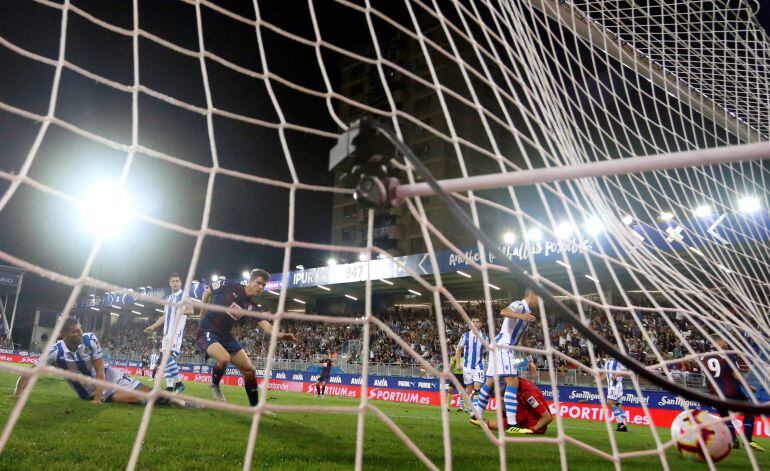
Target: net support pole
{"points": [[693, 158], [15, 304]]}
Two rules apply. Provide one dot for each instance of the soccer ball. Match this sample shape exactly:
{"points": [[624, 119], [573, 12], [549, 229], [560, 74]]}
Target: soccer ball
{"points": [[715, 434]]}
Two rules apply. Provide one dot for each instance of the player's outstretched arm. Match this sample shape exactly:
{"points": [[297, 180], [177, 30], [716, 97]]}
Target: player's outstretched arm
{"points": [[532, 368], [268, 328], [508, 312], [99, 368], [155, 325], [205, 299], [458, 353], [545, 419]]}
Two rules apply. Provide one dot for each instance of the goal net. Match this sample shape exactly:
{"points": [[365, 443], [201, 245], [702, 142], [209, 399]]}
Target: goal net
{"points": [[236, 106]]}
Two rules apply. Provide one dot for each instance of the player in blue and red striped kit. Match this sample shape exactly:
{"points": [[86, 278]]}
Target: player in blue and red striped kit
{"points": [[724, 370], [214, 334]]}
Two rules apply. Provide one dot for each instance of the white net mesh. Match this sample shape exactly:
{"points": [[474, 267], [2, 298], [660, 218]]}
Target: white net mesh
{"points": [[474, 88]]}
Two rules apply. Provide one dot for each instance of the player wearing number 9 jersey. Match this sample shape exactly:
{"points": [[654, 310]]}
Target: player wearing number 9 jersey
{"points": [[215, 337], [724, 371]]}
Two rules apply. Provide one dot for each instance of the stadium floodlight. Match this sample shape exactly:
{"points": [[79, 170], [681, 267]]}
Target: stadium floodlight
{"points": [[95, 309], [703, 211], [535, 235], [274, 292], [628, 219], [749, 204], [115, 314], [324, 288], [381, 256], [362, 257], [666, 216], [105, 210], [299, 300], [137, 312], [417, 293], [300, 267], [564, 230], [565, 265], [594, 226], [493, 286], [116, 307], [509, 237], [387, 282], [592, 278], [331, 262], [351, 297], [159, 310], [245, 274], [139, 304], [215, 278], [462, 273]]}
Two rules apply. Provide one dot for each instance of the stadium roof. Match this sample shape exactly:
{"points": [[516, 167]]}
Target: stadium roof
{"points": [[394, 279]]}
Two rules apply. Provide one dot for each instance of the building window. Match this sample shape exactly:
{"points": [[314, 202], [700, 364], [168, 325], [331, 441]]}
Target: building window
{"points": [[417, 245], [356, 89], [422, 150], [348, 232], [349, 212]]}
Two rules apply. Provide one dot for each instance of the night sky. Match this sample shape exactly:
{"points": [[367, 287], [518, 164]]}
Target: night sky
{"points": [[45, 230]]}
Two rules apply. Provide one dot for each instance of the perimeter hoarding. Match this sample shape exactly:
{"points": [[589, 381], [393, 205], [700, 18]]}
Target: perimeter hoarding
{"points": [[577, 402]]}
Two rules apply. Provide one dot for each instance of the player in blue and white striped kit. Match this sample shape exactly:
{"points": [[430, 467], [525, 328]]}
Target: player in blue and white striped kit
{"points": [[502, 361], [615, 390], [172, 340], [82, 353], [471, 349]]}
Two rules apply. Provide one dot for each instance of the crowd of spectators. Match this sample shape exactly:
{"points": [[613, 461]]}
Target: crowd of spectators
{"points": [[417, 327]]}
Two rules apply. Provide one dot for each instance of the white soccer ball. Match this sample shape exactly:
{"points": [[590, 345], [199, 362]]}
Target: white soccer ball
{"points": [[715, 435]]}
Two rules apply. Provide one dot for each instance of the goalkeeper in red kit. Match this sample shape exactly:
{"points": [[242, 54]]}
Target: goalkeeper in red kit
{"points": [[532, 415]]}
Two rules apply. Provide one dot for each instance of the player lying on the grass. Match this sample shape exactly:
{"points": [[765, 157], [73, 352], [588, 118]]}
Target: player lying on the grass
{"points": [[172, 340], [82, 353], [517, 315], [470, 354], [215, 337], [323, 378], [532, 415], [723, 369], [615, 391]]}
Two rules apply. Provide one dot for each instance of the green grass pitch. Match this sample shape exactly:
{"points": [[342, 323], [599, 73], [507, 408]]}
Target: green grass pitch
{"points": [[59, 431]]}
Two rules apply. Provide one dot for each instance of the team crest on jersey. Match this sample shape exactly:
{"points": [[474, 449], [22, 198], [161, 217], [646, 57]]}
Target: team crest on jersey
{"points": [[533, 402]]}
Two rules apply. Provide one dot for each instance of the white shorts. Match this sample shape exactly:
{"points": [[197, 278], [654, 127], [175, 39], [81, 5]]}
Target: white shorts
{"points": [[473, 375], [615, 393], [176, 347], [119, 379], [504, 361]]}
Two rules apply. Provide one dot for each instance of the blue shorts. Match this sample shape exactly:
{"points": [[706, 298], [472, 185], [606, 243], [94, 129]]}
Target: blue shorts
{"points": [[323, 378], [207, 337]]}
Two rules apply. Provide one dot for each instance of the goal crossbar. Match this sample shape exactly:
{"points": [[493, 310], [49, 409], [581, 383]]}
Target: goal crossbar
{"points": [[667, 161]]}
